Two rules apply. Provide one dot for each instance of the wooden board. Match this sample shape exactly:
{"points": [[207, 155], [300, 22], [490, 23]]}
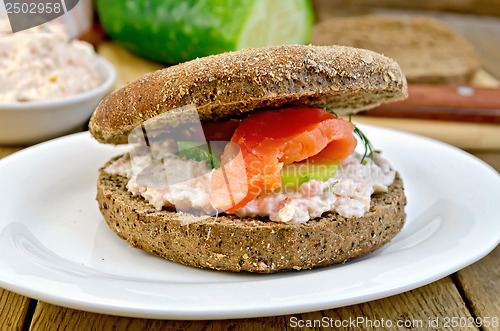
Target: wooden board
{"points": [[70, 319], [425, 308], [7, 150], [480, 284], [128, 66], [13, 310], [470, 136]]}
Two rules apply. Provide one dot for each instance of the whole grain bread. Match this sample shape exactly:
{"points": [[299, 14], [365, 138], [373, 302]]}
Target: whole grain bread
{"points": [[257, 245], [428, 51], [233, 84]]}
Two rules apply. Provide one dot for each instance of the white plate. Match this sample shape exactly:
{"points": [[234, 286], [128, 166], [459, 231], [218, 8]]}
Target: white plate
{"points": [[55, 246]]}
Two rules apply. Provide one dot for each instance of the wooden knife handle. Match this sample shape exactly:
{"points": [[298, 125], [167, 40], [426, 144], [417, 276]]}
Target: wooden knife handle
{"points": [[445, 102]]}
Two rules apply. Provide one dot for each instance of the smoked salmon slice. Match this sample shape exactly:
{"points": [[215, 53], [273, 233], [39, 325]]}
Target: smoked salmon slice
{"points": [[268, 140], [337, 150]]}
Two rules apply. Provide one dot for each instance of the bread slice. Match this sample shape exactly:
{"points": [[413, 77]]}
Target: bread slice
{"points": [[257, 245], [233, 84], [428, 51]]}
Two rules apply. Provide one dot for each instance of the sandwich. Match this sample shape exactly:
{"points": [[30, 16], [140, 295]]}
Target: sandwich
{"points": [[247, 161]]}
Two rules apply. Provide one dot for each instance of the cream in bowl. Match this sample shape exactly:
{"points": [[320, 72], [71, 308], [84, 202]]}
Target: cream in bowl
{"points": [[50, 84]]}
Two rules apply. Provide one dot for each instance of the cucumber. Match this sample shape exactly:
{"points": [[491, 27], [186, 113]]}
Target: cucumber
{"points": [[209, 153], [173, 31], [295, 174]]}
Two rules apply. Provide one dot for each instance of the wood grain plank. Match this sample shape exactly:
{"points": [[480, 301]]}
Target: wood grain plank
{"points": [[7, 150], [460, 134], [490, 157], [480, 282], [424, 308], [481, 7], [13, 310], [52, 317], [129, 66]]}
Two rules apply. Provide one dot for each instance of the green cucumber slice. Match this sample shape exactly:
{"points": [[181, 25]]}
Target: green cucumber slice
{"points": [[201, 153], [295, 174]]}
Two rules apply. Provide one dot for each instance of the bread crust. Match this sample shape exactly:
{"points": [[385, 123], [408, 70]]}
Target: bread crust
{"points": [[233, 84], [229, 243], [428, 51]]}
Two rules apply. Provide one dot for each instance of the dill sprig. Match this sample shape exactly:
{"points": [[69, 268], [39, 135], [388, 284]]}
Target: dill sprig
{"points": [[369, 149], [331, 111], [368, 145]]}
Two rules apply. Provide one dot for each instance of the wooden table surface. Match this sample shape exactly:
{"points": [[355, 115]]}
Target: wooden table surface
{"points": [[471, 293]]}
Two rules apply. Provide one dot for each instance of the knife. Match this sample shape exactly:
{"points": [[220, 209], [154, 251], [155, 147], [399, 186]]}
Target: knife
{"points": [[445, 102]]}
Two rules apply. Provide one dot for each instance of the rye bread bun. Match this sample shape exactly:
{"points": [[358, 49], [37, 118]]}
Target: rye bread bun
{"points": [[428, 51], [257, 245], [232, 85], [222, 86]]}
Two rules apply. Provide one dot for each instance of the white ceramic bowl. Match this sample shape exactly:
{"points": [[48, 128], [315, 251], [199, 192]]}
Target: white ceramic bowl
{"points": [[35, 121]]}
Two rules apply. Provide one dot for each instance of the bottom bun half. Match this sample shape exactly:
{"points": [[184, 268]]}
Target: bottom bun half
{"points": [[226, 242]]}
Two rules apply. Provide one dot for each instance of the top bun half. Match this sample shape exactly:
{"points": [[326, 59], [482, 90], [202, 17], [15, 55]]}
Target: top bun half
{"points": [[231, 85]]}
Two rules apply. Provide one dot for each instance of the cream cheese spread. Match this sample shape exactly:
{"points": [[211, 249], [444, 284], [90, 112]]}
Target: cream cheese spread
{"points": [[174, 182], [348, 193], [42, 63]]}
